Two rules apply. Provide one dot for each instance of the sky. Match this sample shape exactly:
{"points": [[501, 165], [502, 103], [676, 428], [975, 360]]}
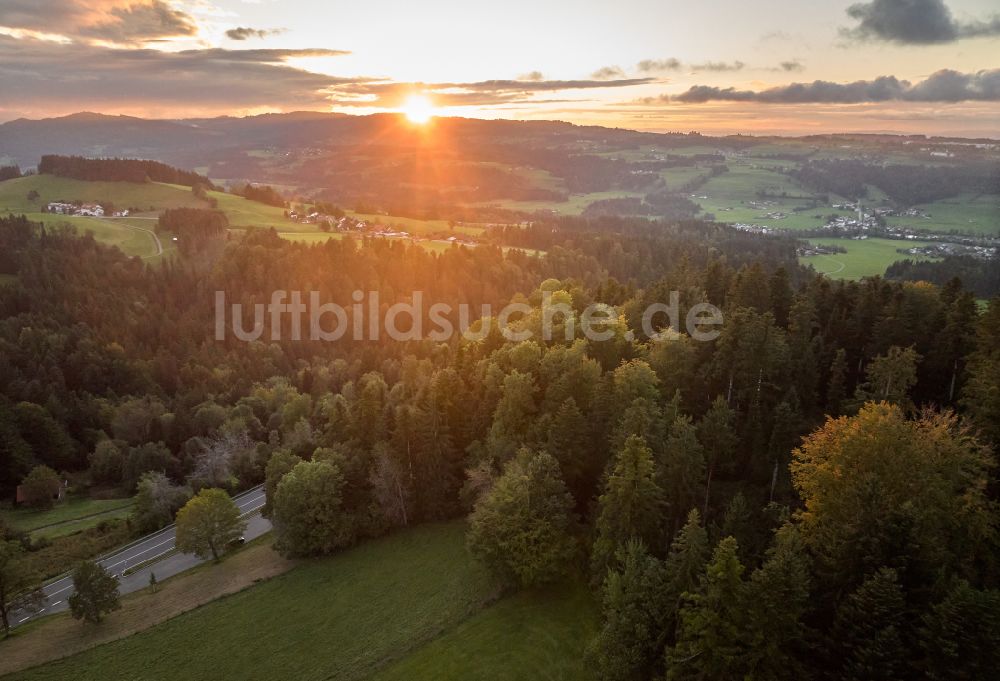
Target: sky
{"points": [[713, 66]]}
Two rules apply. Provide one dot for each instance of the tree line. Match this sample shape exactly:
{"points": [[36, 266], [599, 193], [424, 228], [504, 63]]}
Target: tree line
{"points": [[118, 170]]}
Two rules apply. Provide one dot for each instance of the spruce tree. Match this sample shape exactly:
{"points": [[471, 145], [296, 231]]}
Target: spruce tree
{"points": [[712, 622], [868, 632], [634, 601], [629, 507]]}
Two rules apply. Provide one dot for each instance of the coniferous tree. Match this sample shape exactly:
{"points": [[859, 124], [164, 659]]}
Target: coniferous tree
{"points": [[836, 387], [712, 622], [680, 470], [868, 634], [777, 601], [635, 600], [717, 436], [960, 636], [630, 505]]}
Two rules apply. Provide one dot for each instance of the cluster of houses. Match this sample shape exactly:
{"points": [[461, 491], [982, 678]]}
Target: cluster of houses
{"points": [[809, 249], [91, 210], [751, 228], [343, 224], [942, 249]]}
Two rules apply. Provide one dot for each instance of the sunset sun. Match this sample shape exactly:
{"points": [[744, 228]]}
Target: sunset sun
{"points": [[418, 109]]}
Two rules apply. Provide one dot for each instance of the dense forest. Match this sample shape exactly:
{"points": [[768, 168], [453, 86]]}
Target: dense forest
{"points": [[982, 277], [118, 170], [810, 495]]}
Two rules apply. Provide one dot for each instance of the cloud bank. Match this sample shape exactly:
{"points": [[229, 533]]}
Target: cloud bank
{"points": [[914, 22], [945, 86], [244, 33], [119, 21], [41, 73]]}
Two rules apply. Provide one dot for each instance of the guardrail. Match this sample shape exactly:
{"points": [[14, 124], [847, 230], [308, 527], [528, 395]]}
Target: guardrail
{"points": [[149, 561], [140, 540]]}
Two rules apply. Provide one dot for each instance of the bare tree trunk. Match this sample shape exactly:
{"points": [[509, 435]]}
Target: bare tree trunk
{"points": [[708, 489], [402, 502], [954, 377]]}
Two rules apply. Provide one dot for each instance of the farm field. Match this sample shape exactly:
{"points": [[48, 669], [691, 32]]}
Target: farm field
{"points": [[729, 198], [967, 213], [432, 245], [575, 204], [69, 516], [244, 213], [676, 178], [416, 226], [865, 258], [346, 617], [120, 232], [143, 197]]}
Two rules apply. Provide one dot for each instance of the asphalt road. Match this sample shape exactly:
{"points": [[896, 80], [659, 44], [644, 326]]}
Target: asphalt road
{"points": [[155, 552]]}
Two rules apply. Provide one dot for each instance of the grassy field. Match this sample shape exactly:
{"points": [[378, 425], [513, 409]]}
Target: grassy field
{"points": [[144, 197], [243, 213], [863, 258], [573, 206], [676, 178], [434, 246], [113, 232], [967, 213], [528, 636], [348, 617], [71, 515], [728, 197]]}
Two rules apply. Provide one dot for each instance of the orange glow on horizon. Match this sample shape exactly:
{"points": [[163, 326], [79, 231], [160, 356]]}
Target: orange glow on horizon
{"points": [[418, 109]]}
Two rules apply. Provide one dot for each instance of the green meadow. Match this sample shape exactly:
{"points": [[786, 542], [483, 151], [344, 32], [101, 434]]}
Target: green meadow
{"points": [[865, 258], [413, 606], [66, 517]]}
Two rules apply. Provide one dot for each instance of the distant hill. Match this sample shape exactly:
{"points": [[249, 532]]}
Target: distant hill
{"points": [[471, 170], [188, 143]]}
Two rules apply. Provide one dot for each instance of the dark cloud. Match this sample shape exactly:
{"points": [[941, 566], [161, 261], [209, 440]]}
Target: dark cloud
{"points": [[36, 73], [120, 21], [792, 65], [915, 22], [718, 66], [243, 32], [659, 65], [672, 64], [533, 75], [608, 73], [944, 86]]}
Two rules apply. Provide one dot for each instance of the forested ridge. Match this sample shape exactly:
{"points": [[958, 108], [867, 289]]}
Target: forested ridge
{"points": [[672, 476], [118, 170]]}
